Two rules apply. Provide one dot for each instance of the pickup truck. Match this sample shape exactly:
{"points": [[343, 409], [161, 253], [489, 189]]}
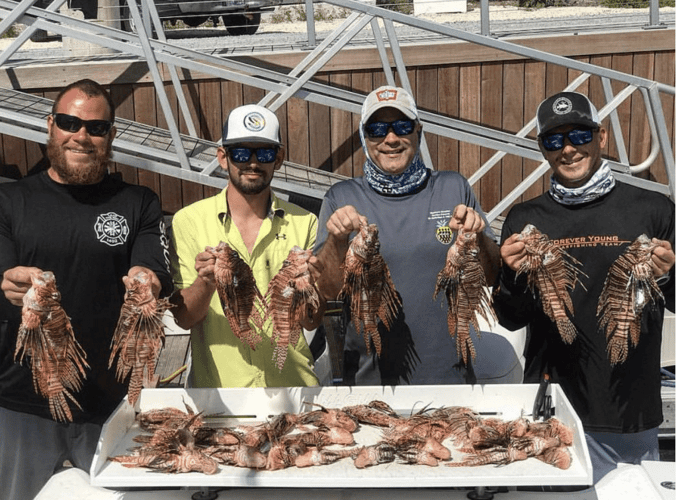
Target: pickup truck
{"points": [[240, 17]]}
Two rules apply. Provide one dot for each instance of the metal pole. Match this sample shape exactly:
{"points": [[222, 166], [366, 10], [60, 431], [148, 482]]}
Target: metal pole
{"points": [[147, 21], [310, 20], [485, 21], [654, 22], [109, 13]]}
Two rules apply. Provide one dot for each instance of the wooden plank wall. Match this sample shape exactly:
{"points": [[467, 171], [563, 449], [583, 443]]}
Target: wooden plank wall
{"points": [[494, 89]]}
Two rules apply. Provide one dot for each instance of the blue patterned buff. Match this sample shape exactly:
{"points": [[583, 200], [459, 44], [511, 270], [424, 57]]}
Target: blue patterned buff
{"points": [[392, 185], [601, 183]]}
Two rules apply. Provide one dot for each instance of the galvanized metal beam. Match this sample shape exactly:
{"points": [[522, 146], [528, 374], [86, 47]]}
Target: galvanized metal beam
{"points": [[166, 153]]}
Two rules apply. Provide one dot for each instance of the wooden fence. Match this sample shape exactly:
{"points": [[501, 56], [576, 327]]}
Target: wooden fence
{"points": [[457, 79]]}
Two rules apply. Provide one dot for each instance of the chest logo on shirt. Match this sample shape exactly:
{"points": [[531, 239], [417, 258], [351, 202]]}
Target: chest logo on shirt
{"points": [[111, 229], [444, 233]]}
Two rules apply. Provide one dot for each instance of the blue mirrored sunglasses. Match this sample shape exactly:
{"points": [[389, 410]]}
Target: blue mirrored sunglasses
{"points": [[69, 123], [577, 137], [243, 155], [380, 129]]}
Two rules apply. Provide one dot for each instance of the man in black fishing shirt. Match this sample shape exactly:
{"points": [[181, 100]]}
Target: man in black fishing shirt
{"points": [[594, 217], [92, 231]]}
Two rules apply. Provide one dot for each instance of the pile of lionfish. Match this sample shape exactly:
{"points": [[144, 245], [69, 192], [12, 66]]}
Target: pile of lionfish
{"points": [[58, 362], [628, 288], [177, 441]]}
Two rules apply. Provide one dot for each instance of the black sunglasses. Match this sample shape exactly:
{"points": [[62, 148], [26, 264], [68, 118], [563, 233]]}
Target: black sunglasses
{"points": [[243, 155], [380, 129], [577, 137], [69, 123]]}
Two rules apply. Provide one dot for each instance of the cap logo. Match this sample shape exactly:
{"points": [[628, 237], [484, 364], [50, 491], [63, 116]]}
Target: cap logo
{"points": [[387, 95], [562, 106], [254, 121]]}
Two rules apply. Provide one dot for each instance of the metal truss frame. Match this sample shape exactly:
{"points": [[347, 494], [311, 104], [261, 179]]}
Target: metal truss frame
{"points": [[155, 149]]}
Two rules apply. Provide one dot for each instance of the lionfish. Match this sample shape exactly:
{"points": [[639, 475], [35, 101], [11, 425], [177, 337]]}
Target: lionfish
{"points": [[171, 450], [628, 288], [553, 271], [46, 336], [497, 443], [290, 293], [139, 334], [241, 299], [464, 282], [368, 283]]}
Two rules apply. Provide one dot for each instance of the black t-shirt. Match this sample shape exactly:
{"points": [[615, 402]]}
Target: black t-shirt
{"points": [[89, 237], [623, 398]]}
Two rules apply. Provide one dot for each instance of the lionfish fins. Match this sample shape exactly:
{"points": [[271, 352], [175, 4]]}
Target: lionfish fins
{"points": [[464, 284], [368, 284], [58, 362], [566, 329], [139, 335], [290, 297], [628, 288], [554, 272], [239, 295]]}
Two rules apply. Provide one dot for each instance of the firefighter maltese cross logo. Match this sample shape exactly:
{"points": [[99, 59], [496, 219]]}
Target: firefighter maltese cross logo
{"points": [[111, 229]]}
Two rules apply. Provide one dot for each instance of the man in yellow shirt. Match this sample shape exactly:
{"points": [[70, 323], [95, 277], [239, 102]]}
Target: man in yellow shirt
{"points": [[262, 229]]}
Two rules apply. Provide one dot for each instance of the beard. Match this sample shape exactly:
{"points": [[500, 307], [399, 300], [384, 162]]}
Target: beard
{"points": [[92, 173], [249, 187]]}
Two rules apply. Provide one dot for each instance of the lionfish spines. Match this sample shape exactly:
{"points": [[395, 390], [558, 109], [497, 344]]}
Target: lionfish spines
{"points": [[291, 296], [629, 287], [58, 362], [241, 300], [554, 272], [368, 284], [139, 335], [464, 283]]}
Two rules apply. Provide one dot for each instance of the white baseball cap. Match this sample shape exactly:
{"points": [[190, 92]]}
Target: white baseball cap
{"points": [[388, 96], [251, 123]]}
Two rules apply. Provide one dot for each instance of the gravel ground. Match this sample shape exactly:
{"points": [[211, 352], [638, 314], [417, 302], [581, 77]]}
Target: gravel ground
{"points": [[497, 13], [504, 22]]}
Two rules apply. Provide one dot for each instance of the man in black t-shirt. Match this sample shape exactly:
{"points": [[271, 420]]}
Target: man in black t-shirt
{"points": [[92, 232], [594, 217]]}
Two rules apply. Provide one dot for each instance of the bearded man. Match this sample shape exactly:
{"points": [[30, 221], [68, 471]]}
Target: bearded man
{"points": [[93, 232], [262, 229]]}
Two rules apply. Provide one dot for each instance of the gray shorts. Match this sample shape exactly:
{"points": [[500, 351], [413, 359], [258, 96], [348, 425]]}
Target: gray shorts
{"points": [[607, 449], [33, 448]]}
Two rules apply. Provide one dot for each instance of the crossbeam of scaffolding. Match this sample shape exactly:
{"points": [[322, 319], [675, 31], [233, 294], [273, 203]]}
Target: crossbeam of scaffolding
{"points": [[189, 157]]}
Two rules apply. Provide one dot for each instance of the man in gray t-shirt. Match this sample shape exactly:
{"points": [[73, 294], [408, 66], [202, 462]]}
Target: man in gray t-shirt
{"points": [[417, 211]]}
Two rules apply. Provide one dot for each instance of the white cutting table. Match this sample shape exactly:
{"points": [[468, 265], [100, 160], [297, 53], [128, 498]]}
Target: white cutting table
{"points": [[628, 482]]}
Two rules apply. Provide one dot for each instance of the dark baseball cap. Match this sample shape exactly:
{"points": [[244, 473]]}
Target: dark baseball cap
{"points": [[566, 108]]}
